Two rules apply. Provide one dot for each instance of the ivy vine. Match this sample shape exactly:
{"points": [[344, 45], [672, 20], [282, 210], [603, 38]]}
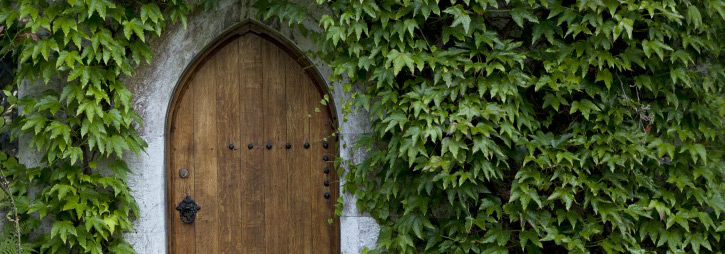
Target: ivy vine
{"points": [[499, 126], [84, 128], [539, 126]]}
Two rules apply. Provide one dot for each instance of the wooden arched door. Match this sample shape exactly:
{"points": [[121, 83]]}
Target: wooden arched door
{"points": [[246, 144]]}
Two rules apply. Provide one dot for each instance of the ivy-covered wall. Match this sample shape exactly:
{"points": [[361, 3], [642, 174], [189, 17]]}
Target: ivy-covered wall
{"points": [[497, 126], [152, 87], [535, 126]]}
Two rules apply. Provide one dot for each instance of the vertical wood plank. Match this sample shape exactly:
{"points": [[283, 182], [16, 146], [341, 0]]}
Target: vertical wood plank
{"points": [[275, 133], [253, 210], [229, 196], [205, 160], [301, 183], [182, 156], [322, 209]]}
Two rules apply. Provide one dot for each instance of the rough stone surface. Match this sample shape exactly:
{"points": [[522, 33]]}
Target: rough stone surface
{"points": [[28, 155], [153, 86], [360, 233]]}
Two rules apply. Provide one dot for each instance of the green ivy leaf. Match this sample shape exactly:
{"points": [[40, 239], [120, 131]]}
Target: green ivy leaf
{"points": [[460, 16], [151, 11], [606, 77], [64, 229], [400, 59], [519, 14], [136, 26]]}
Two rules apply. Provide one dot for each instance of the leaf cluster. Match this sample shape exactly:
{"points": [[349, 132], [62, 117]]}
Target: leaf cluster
{"points": [[539, 126], [84, 127]]}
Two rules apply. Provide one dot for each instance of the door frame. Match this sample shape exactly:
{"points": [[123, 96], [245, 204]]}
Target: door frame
{"points": [[244, 27]]}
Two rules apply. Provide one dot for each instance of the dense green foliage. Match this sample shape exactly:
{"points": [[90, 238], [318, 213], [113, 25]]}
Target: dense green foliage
{"points": [[542, 126], [498, 126], [84, 128]]}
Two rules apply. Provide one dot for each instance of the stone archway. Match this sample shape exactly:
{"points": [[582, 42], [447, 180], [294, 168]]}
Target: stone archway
{"points": [[154, 85], [245, 142]]}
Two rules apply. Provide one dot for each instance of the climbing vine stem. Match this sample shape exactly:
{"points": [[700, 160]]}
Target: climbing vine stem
{"points": [[13, 214]]}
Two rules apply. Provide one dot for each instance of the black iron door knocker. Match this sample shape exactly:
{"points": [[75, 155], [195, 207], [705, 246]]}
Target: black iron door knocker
{"points": [[187, 210]]}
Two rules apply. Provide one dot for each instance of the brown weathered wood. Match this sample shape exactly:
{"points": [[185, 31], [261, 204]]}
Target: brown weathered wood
{"points": [[275, 163], [253, 189], [250, 90], [322, 209], [182, 156], [228, 144], [298, 131], [205, 158]]}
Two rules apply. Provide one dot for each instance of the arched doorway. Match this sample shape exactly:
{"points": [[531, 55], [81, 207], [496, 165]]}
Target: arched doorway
{"points": [[246, 145]]}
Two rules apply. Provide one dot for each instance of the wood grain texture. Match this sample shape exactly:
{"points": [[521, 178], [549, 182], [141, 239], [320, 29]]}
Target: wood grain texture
{"points": [[248, 90], [181, 134], [253, 188], [205, 158], [275, 163], [298, 132], [228, 144], [322, 209]]}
